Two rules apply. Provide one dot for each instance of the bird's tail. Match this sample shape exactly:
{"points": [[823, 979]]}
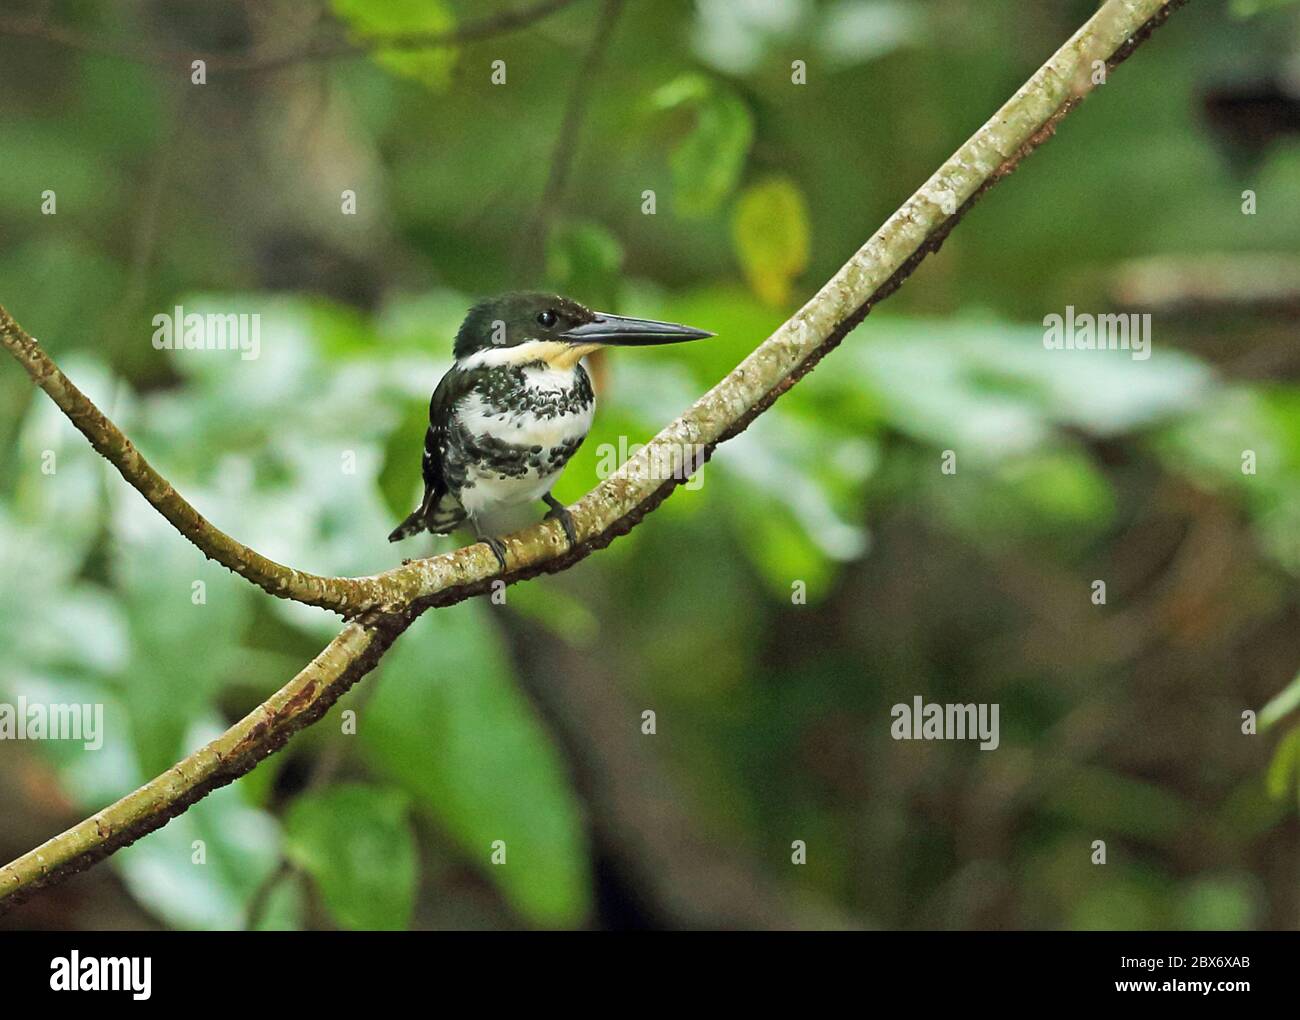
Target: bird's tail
{"points": [[413, 525], [439, 513]]}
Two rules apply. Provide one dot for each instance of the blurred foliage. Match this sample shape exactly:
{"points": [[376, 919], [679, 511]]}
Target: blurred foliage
{"points": [[708, 161], [1121, 722], [431, 67], [771, 234], [355, 843]]}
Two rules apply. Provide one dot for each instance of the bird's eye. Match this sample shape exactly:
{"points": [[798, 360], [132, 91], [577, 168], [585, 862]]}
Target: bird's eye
{"points": [[546, 318]]}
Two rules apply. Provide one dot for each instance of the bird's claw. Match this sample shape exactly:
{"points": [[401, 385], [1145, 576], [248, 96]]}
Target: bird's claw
{"points": [[559, 512], [498, 549]]}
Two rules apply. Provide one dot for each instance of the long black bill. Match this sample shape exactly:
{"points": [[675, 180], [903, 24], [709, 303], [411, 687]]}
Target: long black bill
{"points": [[622, 331]]}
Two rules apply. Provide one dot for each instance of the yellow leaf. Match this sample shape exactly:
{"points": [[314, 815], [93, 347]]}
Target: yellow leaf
{"points": [[770, 230]]}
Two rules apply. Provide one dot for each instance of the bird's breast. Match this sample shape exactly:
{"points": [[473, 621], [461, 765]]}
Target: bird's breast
{"points": [[519, 437], [543, 419]]}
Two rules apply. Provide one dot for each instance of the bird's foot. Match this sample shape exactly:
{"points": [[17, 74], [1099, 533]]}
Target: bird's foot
{"points": [[498, 548], [559, 512]]}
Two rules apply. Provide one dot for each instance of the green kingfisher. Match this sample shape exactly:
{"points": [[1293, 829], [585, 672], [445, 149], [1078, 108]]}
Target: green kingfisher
{"points": [[514, 407]]}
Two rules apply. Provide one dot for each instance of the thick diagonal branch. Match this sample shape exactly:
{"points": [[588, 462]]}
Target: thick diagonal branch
{"points": [[300, 702], [389, 601]]}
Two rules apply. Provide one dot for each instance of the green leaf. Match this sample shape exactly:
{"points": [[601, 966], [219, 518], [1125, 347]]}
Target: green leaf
{"points": [[448, 723], [684, 90], [200, 870], [548, 603], [797, 488], [340, 332], [1250, 8], [186, 615], [431, 67], [356, 843], [707, 163], [1285, 763], [1056, 494], [399, 478], [1281, 704], [1219, 903], [770, 230], [856, 31], [584, 260], [1208, 447], [59, 481], [1122, 899], [1103, 800], [990, 385]]}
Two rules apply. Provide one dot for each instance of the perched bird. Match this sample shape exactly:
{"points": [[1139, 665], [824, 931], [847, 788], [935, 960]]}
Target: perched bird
{"points": [[512, 410]]}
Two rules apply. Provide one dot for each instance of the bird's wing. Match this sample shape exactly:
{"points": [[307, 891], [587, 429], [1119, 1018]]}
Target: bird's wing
{"points": [[440, 511], [441, 473]]}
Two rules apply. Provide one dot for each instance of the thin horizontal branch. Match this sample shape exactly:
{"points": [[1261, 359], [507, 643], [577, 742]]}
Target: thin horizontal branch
{"points": [[500, 23], [344, 595], [613, 508]]}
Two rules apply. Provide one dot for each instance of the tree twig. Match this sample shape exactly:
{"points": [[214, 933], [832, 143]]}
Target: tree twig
{"points": [[261, 898], [322, 773], [613, 508], [509, 20], [344, 595], [566, 141]]}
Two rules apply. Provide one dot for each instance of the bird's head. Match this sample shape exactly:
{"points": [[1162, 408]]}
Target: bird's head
{"points": [[528, 326]]}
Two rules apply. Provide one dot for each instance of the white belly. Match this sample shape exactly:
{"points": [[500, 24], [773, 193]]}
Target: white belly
{"points": [[490, 500], [493, 491]]}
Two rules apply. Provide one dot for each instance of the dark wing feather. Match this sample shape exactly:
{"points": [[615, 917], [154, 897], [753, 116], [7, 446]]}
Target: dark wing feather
{"points": [[439, 511]]}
